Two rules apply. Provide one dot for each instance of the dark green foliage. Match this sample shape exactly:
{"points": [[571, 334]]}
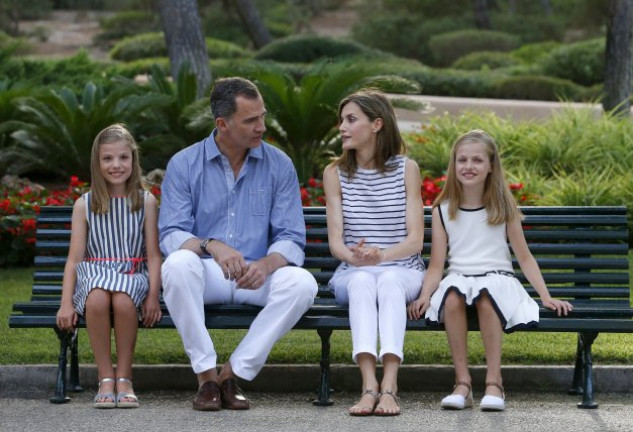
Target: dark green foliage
{"points": [[485, 60], [127, 23], [177, 124], [448, 47], [72, 71], [56, 128], [538, 88], [220, 20], [534, 52], [404, 34], [148, 45], [138, 67], [529, 28], [309, 48], [302, 115], [581, 62]]}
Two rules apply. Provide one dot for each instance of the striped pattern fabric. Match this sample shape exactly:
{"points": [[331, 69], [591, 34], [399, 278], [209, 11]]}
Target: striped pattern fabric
{"points": [[114, 254], [374, 209]]}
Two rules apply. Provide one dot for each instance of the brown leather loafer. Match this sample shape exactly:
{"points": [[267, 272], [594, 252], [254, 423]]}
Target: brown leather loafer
{"points": [[232, 396], [208, 397]]}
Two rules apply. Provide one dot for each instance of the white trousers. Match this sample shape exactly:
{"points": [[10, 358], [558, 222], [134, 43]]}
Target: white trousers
{"points": [[190, 282], [377, 298]]}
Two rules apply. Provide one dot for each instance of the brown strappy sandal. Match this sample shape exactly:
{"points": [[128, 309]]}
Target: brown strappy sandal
{"points": [[364, 412]]}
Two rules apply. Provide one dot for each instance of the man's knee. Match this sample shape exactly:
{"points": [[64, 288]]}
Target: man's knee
{"points": [[302, 283], [180, 265]]}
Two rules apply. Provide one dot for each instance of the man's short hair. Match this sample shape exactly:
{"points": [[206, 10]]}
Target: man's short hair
{"points": [[224, 93]]}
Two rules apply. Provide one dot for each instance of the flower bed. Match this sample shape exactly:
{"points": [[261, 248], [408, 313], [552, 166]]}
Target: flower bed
{"points": [[19, 206]]}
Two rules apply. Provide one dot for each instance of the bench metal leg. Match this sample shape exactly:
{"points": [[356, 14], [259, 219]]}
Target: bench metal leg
{"points": [[65, 339], [588, 401], [576, 385], [324, 385], [73, 381]]}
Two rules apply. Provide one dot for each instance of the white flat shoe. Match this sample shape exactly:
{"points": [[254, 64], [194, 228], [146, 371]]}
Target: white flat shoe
{"points": [[493, 403], [457, 401]]}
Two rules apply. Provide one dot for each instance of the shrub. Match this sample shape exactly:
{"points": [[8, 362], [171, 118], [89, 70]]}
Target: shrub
{"points": [[127, 23], [533, 52], [72, 71], [448, 47], [309, 48], [530, 28], [450, 82], [485, 60], [404, 34], [534, 87], [580, 62], [148, 45], [138, 67]]}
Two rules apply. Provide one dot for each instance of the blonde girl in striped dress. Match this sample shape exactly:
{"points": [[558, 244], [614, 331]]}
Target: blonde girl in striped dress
{"points": [[112, 275], [375, 228]]}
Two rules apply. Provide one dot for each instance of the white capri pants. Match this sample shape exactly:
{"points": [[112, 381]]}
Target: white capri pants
{"points": [[190, 282], [377, 298]]}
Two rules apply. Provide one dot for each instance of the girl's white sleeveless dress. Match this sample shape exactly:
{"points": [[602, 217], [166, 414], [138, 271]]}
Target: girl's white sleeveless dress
{"points": [[479, 261]]}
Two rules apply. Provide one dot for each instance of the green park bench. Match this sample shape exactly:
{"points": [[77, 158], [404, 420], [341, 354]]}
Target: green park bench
{"points": [[582, 252]]}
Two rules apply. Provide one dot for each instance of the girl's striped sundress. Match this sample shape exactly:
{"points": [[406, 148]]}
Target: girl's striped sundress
{"points": [[115, 254]]}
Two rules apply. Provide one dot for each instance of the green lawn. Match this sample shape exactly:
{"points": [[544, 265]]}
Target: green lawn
{"points": [[33, 346]]}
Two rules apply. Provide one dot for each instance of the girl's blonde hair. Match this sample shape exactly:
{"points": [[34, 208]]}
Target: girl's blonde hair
{"points": [[374, 104], [99, 196], [497, 199]]}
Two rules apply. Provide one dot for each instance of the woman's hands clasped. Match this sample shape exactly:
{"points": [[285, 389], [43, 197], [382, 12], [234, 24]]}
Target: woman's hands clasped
{"points": [[365, 255]]}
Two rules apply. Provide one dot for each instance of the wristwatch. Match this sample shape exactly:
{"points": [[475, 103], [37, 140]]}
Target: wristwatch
{"points": [[203, 246]]}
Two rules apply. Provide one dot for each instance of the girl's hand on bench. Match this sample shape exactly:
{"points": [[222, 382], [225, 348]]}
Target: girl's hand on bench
{"points": [[561, 307], [66, 318]]}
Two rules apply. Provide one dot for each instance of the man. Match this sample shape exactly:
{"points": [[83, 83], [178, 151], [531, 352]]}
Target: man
{"points": [[232, 228]]}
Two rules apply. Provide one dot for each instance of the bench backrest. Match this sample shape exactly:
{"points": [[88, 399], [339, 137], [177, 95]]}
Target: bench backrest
{"points": [[582, 251]]}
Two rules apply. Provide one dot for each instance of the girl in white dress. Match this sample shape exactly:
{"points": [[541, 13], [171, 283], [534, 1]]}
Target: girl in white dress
{"points": [[112, 274], [473, 219]]}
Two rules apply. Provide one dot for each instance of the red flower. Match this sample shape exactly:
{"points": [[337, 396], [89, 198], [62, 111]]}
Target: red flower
{"points": [[74, 181], [312, 182]]}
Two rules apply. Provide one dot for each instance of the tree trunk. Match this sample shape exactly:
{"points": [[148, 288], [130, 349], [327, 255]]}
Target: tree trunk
{"points": [[617, 80], [184, 39], [480, 9], [253, 23], [547, 7], [512, 6]]}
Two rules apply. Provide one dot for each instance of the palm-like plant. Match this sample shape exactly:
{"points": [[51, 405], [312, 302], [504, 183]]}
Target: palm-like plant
{"points": [[303, 115], [9, 94], [182, 119], [55, 133]]}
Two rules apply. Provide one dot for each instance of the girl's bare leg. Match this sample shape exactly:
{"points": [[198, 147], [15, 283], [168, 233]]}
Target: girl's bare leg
{"points": [[456, 327], [492, 337], [98, 325], [125, 330]]}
